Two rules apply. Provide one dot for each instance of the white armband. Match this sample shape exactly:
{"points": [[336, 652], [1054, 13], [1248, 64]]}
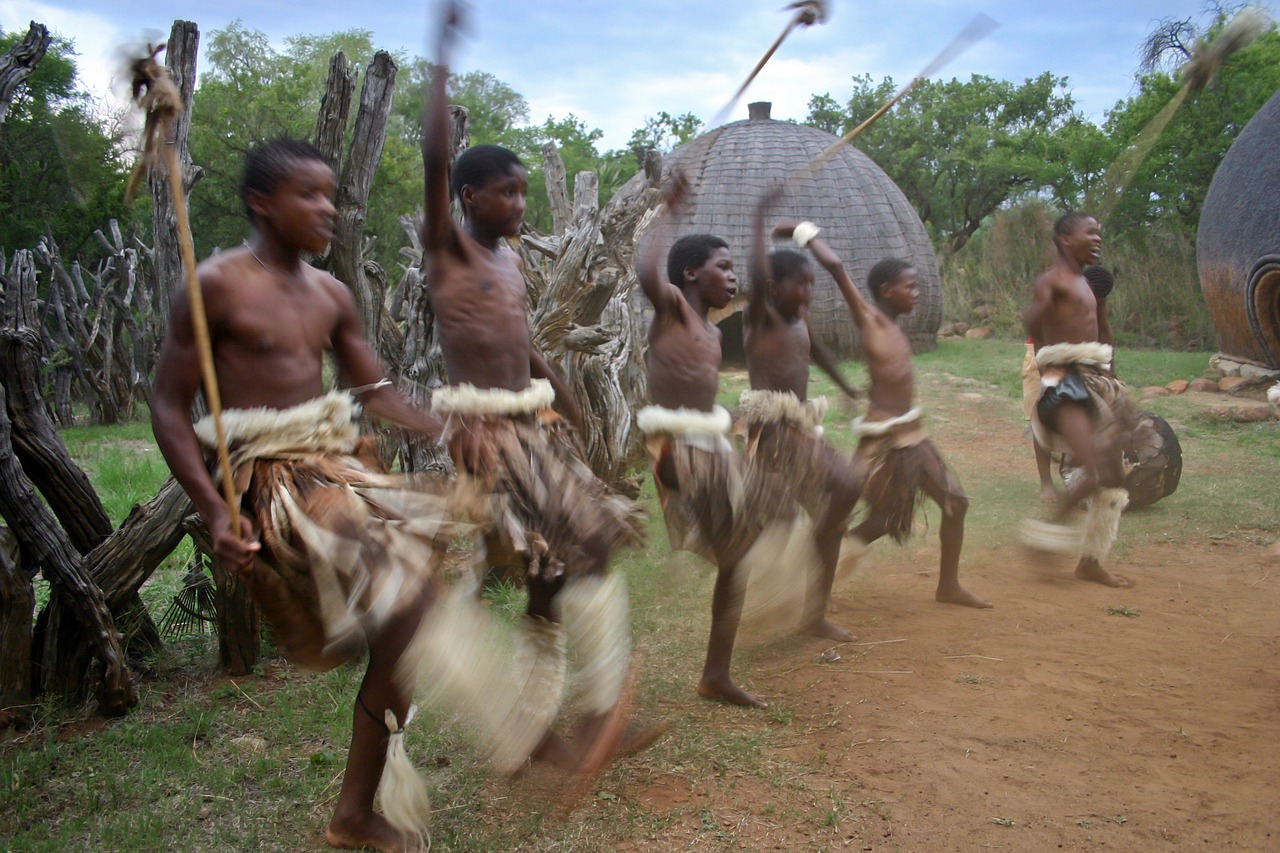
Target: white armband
{"points": [[804, 232]]}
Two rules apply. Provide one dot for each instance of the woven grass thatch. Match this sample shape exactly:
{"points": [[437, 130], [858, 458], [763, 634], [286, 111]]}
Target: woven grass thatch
{"points": [[863, 214], [1238, 246]]}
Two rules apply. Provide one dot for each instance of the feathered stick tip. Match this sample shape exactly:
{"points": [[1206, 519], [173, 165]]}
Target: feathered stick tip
{"points": [[1208, 57], [809, 12], [160, 101]]}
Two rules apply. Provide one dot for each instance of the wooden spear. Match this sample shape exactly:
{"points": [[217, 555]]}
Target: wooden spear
{"points": [[978, 29], [808, 12], [1198, 72], [161, 102]]}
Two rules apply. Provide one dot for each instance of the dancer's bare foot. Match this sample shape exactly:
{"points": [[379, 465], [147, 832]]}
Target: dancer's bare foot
{"points": [[827, 631], [602, 735], [374, 831], [555, 751], [724, 690], [640, 736], [959, 595], [1090, 570], [1048, 494]]}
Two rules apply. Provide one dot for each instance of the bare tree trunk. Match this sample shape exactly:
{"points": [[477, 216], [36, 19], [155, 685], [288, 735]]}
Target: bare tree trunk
{"points": [[66, 488], [40, 449], [557, 188], [43, 544], [180, 60], [17, 605], [586, 318], [347, 254], [331, 123], [239, 625], [19, 61]]}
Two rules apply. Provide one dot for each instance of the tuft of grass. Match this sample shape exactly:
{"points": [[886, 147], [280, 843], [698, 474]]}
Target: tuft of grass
{"points": [[1122, 610], [973, 680]]}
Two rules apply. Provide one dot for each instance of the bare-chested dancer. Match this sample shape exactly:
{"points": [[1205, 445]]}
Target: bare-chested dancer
{"points": [[699, 475], [1083, 409], [784, 439], [551, 513], [272, 318], [894, 453]]}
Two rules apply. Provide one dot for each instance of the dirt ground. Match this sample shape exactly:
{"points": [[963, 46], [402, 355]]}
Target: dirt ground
{"points": [[1069, 717]]}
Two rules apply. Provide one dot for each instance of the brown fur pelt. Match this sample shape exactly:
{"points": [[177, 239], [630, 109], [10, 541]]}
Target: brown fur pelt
{"points": [[896, 478], [545, 505], [161, 102], [796, 466], [1113, 413], [344, 548], [711, 506]]}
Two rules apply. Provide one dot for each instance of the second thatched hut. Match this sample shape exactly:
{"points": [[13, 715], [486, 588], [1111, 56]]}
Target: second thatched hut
{"points": [[863, 214]]}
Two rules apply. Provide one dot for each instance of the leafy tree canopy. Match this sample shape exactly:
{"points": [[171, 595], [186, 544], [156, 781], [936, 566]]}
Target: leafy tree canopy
{"points": [[960, 149], [61, 170]]}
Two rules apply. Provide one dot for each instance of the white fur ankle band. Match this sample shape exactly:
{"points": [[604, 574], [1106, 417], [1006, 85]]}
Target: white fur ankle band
{"points": [[1102, 523], [804, 233], [405, 802], [595, 619]]}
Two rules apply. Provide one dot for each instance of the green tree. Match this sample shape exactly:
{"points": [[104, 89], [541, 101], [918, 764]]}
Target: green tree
{"points": [[662, 133], [961, 149], [61, 169], [250, 93]]}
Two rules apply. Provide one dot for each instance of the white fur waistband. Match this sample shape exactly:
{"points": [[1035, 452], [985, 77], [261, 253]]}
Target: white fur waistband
{"points": [[758, 407], [863, 427], [324, 424], [684, 422], [469, 400], [1090, 353]]}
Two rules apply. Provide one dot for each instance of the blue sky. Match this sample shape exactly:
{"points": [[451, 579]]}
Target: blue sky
{"points": [[614, 64]]}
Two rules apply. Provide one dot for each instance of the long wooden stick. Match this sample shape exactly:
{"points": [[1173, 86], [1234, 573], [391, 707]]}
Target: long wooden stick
{"points": [[1206, 60], [806, 15], [200, 324], [978, 29], [162, 103]]}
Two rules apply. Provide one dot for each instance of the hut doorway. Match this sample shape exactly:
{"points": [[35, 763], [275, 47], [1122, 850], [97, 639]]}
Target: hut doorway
{"points": [[733, 352], [1263, 301]]}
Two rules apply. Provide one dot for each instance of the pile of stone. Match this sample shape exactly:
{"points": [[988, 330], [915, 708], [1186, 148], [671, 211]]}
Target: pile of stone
{"points": [[1250, 384]]}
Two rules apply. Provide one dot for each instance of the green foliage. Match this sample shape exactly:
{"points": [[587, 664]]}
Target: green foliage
{"points": [[959, 150], [60, 166], [662, 133], [250, 93]]}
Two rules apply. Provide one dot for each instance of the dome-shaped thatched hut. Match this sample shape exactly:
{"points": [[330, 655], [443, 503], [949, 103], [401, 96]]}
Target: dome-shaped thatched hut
{"points": [[863, 214], [1238, 249]]}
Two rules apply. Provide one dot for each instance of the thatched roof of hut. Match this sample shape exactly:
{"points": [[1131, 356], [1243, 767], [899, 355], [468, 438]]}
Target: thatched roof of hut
{"points": [[1238, 247], [864, 216]]}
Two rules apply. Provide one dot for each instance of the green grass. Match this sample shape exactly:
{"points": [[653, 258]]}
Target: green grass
{"points": [[210, 763]]}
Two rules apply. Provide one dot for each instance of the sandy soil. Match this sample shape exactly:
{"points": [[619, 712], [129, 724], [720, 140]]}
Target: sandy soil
{"points": [[1070, 717]]}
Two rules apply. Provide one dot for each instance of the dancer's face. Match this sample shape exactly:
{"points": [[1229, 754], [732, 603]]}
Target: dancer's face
{"points": [[903, 292], [794, 294], [715, 280]]}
